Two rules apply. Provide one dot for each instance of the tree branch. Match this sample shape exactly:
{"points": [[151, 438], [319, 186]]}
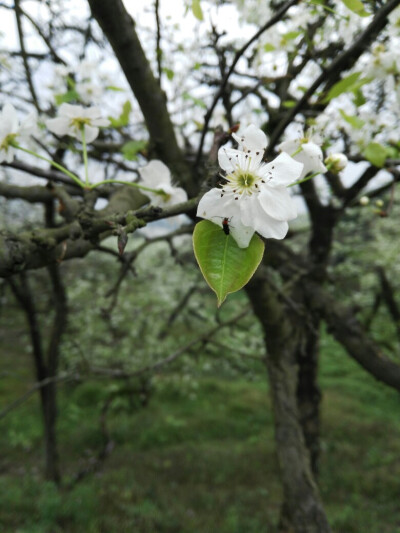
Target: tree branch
{"points": [[341, 63], [119, 28]]}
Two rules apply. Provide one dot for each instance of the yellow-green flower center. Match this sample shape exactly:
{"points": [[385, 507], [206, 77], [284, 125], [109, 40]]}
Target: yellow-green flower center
{"points": [[8, 141], [80, 122]]}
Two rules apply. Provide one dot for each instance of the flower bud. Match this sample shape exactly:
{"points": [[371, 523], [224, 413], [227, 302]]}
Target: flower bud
{"points": [[336, 162], [364, 200], [379, 203]]}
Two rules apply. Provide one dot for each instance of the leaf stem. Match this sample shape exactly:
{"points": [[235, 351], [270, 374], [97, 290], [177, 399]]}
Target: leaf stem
{"points": [[53, 164], [305, 179], [85, 157], [132, 184]]}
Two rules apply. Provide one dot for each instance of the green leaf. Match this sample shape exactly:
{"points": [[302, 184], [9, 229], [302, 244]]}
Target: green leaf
{"points": [[376, 154], [196, 9], [291, 35], [132, 148], [123, 119], [169, 73], [69, 96], [354, 121], [359, 98], [114, 88], [225, 267], [357, 7], [350, 83], [196, 101], [288, 103], [269, 47]]}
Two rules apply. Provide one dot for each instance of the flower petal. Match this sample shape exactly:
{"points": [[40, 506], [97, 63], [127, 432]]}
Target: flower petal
{"points": [[71, 111], [282, 171], [59, 126], [91, 133], [228, 159], [214, 208], [252, 139], [241, 233], [277, 203], [155, 174], [252, 214], [102, 122], [10, 118]]}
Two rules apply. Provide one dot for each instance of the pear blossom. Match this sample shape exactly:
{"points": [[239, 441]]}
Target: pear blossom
{"points": [[305, 151], [254, 196], [336, 162], [72, 119], [11, 131], [156, 175]]}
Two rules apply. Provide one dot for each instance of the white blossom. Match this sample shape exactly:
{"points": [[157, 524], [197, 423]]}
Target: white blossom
{"points": [[305, 151], [11, 131], [72, 119], [254, 196], [156, 175]]}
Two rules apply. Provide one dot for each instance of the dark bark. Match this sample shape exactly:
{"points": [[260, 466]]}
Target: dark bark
{"points": [[389, 299], [46, 364], [308, 392], [119, 28], [302, 510], [349, 332]]}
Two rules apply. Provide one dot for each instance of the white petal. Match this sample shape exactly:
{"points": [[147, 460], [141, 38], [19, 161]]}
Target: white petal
{"points": [[228, 159], [178, 195], [252, 139], [71, 111], [214, 208], [102, 122], [283, 170], [7, 155], [155, 174], [211, 206], [10, 154], [59, 126], [274, 229], [9, 119], [92, 112], [314, 153], [289, 146], [277, 203], [253, 215], [241, 233], [91, 133], [29, 125]]}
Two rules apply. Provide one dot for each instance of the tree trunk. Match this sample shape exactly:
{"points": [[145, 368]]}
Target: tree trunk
{"points": [[308, 393], [302, 510], [46, 368]]}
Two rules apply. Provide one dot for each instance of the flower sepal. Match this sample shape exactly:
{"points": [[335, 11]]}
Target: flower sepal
{"points": [[225, 266]]}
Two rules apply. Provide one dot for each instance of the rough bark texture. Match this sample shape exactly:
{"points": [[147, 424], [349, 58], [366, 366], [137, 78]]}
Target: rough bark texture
{"points": [[302, 510], [46, 364], [308, 392]]}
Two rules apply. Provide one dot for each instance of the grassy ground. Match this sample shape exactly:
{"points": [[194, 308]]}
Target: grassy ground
{"points": [[197, 462]]}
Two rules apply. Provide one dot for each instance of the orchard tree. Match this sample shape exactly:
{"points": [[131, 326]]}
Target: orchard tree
{"points": [[243, 114]]}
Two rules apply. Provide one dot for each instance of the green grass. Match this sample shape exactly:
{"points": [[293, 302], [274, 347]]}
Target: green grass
{"points": [[202, 461]]}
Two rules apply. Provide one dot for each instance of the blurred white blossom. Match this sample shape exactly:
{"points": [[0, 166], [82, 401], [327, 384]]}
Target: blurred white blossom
{"points": [[156, 175], [73, 119], [11, 131]]}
